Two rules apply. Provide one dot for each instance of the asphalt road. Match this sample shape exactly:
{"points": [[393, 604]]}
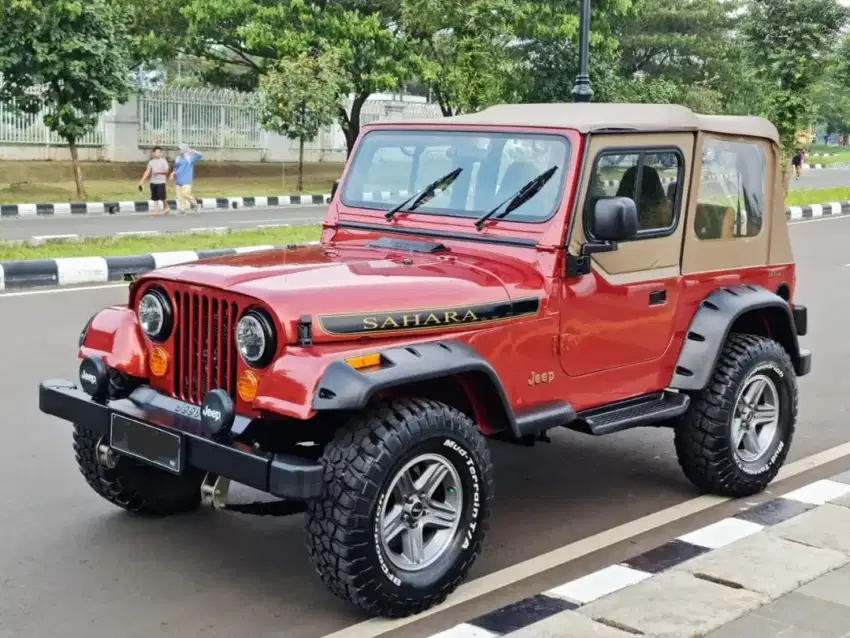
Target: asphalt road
{"points": [[105, 225], [127, 223], [72, 565]]}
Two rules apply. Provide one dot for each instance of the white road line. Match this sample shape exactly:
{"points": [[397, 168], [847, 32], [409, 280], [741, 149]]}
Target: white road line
{"points": [[51, 291], [544, 562]]}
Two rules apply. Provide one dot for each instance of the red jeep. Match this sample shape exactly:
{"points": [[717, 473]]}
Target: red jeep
{"points": [[595, 267]]}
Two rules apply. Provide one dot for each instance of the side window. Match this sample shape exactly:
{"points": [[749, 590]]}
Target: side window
{"points": [[650, 177], [730, 204]]}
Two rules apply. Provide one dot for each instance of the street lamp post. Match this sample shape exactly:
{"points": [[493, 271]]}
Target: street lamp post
{"points": [[581, 90]]}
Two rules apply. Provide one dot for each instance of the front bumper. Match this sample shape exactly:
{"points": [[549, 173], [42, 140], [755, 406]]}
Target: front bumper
{"points": [[282, 475]]}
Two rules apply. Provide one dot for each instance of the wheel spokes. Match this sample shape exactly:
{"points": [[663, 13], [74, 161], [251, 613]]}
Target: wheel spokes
{"points": [[431, 479], [440, 515], [754, 393], [405, 487], [764, 414], [413, 545], [394, 524]]}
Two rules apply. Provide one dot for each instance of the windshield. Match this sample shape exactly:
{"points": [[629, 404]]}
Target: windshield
{"points": [[390, 166]]}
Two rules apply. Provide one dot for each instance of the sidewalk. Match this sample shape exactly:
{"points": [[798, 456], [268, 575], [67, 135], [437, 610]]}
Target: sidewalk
{"points": [[781, 569]]}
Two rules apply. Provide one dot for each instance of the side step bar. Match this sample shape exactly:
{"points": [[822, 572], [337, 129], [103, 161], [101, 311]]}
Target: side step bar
{"points": [[633, 413]]}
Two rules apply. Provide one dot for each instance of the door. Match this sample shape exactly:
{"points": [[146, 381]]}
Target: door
{"points": [[622, 313]]}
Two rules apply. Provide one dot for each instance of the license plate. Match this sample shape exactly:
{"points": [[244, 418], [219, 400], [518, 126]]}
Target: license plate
{"points": [[147, 443]]}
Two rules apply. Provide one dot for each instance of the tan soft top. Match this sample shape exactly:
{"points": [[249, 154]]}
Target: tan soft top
{"points": [[591, 117]]}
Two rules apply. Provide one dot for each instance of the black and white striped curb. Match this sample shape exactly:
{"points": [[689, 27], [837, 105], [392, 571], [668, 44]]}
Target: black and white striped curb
{"points": [[111, 208], [832, 209], [69, 271], [575, 595]]}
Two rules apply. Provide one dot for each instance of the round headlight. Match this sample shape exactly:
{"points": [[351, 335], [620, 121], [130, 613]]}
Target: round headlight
{"points": [[255, 338], [155, 315]]}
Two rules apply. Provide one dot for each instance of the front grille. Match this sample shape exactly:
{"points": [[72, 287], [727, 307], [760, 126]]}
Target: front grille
{"points": [[204, 346]]}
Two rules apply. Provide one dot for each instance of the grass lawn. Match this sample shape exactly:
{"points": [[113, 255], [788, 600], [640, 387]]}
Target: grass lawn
{"points": [[841, 158], [119, 246], [52, 182], [818, 196]]}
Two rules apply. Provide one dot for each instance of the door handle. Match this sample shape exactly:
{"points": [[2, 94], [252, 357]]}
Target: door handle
{"points": [[658, 297]]}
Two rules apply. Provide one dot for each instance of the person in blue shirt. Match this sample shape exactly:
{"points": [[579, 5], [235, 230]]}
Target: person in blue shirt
{"points": [[183, 176]]}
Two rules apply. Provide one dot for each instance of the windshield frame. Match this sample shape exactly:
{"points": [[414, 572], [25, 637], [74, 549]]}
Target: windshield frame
{"points": [[435, 129]]}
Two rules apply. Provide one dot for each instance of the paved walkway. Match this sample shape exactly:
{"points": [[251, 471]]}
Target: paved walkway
{"points": [[781, 569]]}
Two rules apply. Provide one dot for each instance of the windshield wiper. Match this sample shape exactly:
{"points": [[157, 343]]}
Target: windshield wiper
{"points": [[424, 194], [523, 195]]}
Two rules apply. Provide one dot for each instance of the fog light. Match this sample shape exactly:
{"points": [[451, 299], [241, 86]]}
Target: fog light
{"points": [[158, 361], [217, 412], [247, 386], [94, 377]]}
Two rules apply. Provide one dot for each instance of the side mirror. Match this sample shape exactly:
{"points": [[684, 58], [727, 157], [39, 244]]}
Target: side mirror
{"points": [[614, 219], [334, 188]]}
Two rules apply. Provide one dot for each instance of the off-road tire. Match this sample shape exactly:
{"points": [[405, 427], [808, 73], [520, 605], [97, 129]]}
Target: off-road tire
{"points": [[138, 488], [703, 434], [359, 465]]}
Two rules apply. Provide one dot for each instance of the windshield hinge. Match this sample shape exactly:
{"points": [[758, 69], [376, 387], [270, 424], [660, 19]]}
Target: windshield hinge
{"points": [[305, 330]]}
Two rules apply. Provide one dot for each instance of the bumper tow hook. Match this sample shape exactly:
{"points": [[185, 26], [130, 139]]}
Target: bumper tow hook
{"points": [[214, 491], [106, 456]]}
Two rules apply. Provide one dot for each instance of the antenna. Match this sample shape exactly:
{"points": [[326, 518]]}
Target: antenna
{"points": [[581, 89]]}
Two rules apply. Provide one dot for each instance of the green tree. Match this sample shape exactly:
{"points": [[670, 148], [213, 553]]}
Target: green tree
{"points": [[299, 97], [791, 41], [242, 39], [70, 58]]}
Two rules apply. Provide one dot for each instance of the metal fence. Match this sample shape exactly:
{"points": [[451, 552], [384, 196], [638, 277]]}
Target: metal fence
{"points": [[218, 118], [17, 127], [204, 118]]}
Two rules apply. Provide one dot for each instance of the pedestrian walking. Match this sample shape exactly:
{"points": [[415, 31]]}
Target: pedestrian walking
{"points": [[183, 176], [157, 172], [798, 161]]}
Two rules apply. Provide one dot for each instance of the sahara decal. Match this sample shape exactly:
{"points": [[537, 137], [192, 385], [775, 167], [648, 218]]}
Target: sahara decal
{"points": [[427, 318]]}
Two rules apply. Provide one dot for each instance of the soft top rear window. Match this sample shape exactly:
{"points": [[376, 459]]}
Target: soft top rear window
{"points": [[389, 166]]}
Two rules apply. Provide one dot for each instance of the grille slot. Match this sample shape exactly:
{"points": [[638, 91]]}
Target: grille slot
{"points": [[204, 346]]}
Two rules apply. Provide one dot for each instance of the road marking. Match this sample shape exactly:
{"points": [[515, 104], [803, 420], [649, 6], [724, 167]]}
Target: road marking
{"points": [[29, 293], [544, 562], [819, 219]]}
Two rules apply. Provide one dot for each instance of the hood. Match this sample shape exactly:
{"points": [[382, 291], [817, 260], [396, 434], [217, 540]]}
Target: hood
{"points": [[352, 292]]}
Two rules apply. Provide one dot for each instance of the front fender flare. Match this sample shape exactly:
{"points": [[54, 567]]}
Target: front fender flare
{"points": [[711, 325], [341, 387]]}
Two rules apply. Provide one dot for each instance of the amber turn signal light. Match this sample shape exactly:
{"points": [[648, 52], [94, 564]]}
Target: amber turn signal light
{"points": [[247, 386], [158, 361], [364, 361]]}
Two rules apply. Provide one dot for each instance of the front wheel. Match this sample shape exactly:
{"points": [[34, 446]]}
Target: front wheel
{"points": [[405, 507], [738, 431]]}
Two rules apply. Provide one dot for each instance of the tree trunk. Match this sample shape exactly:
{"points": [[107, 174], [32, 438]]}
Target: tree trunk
{"points": [[300, 164], [351, 124], [78, 173], [786, 174]]}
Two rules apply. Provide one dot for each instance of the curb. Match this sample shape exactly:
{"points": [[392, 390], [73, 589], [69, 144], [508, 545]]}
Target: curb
{"points": [[111, 208], [68, 271], [818, 210], [576, 594]]}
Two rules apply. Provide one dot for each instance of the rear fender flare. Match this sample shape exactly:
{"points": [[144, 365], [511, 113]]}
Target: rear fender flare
{"points": [[711, 326]]}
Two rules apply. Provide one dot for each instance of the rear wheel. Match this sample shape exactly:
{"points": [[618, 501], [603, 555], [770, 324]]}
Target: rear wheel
{"points": [[405, 508], [738, 431], [134, 486]]}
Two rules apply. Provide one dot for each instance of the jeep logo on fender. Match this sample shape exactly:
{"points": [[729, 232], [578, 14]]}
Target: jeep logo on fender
{"points": [[427, 318]]}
